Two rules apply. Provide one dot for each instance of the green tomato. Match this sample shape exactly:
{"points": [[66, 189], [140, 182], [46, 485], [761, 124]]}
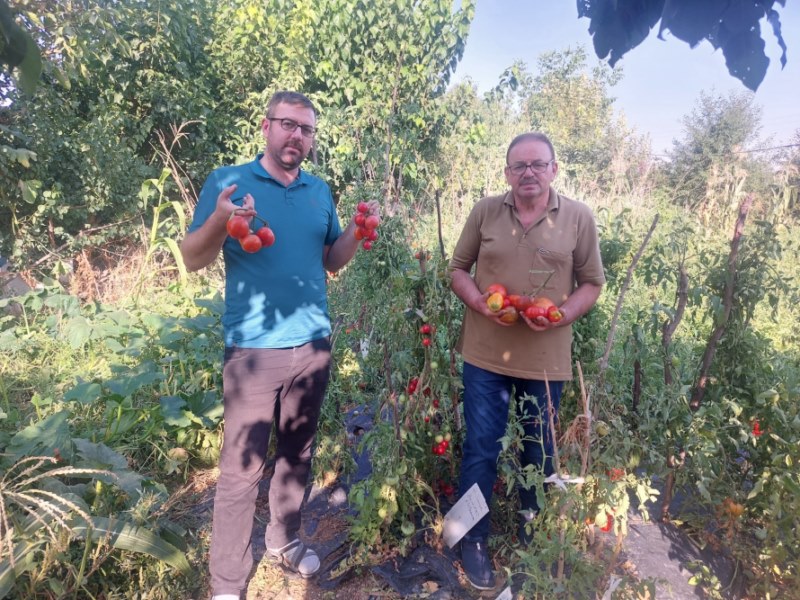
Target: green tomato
{"points": [[407, 528]]}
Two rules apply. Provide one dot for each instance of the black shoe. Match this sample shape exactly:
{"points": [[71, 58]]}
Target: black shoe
{"points": [[475, 561]]}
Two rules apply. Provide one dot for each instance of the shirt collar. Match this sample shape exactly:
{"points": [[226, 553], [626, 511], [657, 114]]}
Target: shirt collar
{"points": [[260, 171], [552, 201]]}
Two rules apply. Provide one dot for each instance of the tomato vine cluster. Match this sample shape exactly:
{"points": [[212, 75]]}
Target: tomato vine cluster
{"points": [[251, 241], [366, 225], [426, 330]]}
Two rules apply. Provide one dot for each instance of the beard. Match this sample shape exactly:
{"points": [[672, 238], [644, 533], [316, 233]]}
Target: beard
{"points": [[289, 156]]}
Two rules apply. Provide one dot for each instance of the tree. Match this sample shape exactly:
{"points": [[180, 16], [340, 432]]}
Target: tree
{"points": [[81, 147], [617, 26], [571, 102], [710, 168]]}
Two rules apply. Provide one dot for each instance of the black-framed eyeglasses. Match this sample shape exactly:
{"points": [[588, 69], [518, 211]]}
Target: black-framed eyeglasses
{"points": [[518, 169], [290, 125]]}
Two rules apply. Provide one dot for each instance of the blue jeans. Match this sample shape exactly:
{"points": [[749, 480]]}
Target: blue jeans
{"points": [[486, 404]]}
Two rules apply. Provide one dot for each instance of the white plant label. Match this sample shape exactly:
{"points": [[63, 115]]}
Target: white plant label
{"points": [[470, 509]]}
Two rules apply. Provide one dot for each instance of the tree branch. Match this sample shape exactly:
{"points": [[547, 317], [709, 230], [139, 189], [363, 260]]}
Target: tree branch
{"points": [[699, 390]]}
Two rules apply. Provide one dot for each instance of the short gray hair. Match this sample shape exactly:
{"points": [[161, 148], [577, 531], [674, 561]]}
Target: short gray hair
{"points": [[531, 136]]}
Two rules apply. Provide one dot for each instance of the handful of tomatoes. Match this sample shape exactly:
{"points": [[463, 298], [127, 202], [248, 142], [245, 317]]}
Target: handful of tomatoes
{"points": [[239, 228], [513, 305], [366, 225]]}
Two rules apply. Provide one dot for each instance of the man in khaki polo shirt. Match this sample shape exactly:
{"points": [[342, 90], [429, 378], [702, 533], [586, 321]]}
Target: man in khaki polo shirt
{"points": [[525, 239]]}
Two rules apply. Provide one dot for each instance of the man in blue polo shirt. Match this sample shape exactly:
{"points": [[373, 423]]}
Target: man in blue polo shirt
{"points": [[276, 328]]}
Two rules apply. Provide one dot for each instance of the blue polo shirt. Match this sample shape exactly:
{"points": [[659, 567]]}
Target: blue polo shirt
{"points": [[276, 297]]}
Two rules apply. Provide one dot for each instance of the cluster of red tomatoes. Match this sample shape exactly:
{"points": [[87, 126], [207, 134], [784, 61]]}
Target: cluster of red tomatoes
{"points": [[512, 305], [444, 488], [366, 225], [426, 330], [441, 443], [251, 241]]}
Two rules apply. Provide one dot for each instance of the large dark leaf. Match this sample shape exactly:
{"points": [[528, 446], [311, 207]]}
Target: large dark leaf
{"points": [[745, 57], [691, 21], [619, 25]]}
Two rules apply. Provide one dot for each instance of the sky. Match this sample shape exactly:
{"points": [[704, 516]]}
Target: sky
{"points": [[662, 78]]}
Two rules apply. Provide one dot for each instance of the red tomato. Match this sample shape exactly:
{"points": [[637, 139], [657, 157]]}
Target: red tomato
{"points": [[543, 302], [535, 311], [359, 220], [609, 522], [524, 302], [238, 227], [497, 288], [251, 243], [371, 222], [362, 207], [267, 236], [425, 329], [359, 233], [426, 342], [367, 245], [372, 235], [554, 315]]}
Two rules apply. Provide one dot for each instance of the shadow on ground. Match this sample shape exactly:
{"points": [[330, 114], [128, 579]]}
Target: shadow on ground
{"points": [[660, 552]]}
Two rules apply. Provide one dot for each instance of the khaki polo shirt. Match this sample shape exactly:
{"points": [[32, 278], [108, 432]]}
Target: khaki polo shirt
{"points": [[563, 244]]}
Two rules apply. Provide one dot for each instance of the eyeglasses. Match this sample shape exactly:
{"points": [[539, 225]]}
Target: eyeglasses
{"points": [[536, 167], [290, 125]]}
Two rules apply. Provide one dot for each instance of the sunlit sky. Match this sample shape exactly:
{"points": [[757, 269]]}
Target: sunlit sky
{"points": [[662, 78]]}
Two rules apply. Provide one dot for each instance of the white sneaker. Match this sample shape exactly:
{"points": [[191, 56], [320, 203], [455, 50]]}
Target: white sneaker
{"points": [[297, 557]]}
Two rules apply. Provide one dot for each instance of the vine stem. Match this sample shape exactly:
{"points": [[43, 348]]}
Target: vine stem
{"points": [[251, 213], [618, 310]]}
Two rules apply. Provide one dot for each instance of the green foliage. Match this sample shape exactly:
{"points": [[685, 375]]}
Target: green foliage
{"points": [[135, 386], [413, 390], [709, 172], [129, 74]]}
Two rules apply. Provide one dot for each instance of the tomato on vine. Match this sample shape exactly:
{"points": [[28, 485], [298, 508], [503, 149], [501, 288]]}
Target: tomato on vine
{"points": [[238, 227], [266, 235], [251, 243]]}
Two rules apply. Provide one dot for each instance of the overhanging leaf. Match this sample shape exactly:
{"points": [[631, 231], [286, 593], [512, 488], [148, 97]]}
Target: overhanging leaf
{"points": [[30, 69]]}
